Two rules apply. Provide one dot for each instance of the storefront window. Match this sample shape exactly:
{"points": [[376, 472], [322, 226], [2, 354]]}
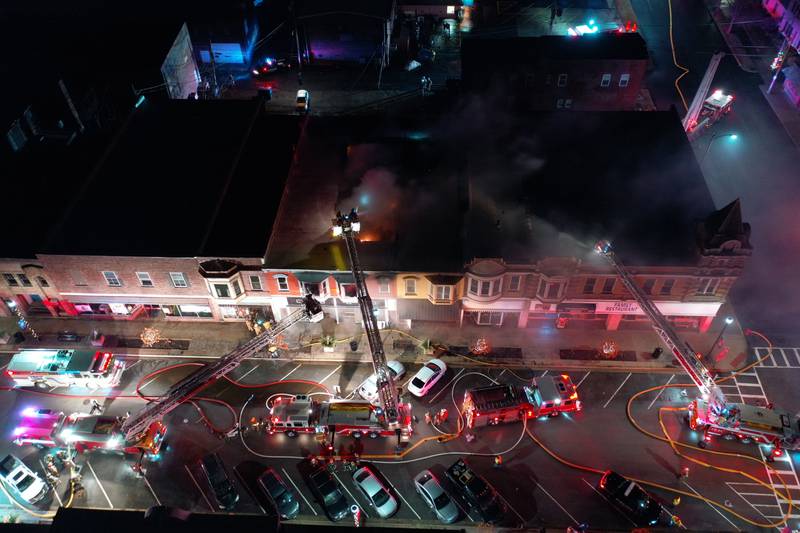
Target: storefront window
{"points": [[187, 311]]}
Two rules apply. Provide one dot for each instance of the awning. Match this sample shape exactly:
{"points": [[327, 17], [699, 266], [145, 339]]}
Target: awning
{"points": [[344, 277], [311, 277], [442, 279], [424, 310]]}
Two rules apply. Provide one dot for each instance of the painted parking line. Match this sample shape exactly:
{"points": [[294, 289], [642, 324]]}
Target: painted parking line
{"points": [[91, 469], [609, 503], [401, 496], [544, 373], [249, 372], [554, 500], [355, 501], [742, 494], [510, 507], [329, 375], [661, 391], [133, 365], [501, 373], [52, 487], [149, 486], [712, 506], [196, 484], [290, 373], [583, 379], [446, 386], [285, 473], [618, 388]]}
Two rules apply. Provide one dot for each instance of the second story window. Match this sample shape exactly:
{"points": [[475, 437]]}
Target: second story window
{"points": [[111, 279], [588, 286], [608, 285], [384, 286], [515, 283], [708, 286], [222, 290], [283, 283], [562, 80], [605, 81], [178, 280], [411, 286], [255, 283], [42, 281], [647, 286], [348, 290], [550, 290], [237, 287], [144, 279], [441, 292], [624, 80], [666, 287], [10, 279], [24, 280]]}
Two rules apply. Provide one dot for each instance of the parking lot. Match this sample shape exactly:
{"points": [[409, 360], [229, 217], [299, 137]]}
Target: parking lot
{"points": [[537, 489]]}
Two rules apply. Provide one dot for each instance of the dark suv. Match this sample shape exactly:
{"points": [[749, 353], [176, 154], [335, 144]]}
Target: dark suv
{"points": [[477, 492], [281, 496], [328, 493], [217, 476], [634, 501]]}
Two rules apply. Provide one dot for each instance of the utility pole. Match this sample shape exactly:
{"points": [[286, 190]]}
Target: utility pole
{"points": [[781, 58], [690, 119]]}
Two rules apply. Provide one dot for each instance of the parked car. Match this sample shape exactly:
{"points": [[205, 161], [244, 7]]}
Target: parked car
{"points": [[375, 491], [279, 494], [632, 500], [328, 493], [225, 492], [369, 388], [268, 65], [303, 101], [427, 377], [430, 490], [22, 480]]}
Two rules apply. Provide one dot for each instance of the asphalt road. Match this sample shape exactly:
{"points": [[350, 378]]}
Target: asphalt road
{"points": [[539, 490], [760, 166]]}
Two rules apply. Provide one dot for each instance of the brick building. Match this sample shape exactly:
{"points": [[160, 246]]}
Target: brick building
{"points": [[445, 239], [597, 72]]}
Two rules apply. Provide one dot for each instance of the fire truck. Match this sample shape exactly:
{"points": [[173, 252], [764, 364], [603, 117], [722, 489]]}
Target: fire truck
{"points": [[715, 107], [497, 404], [355, 418], [65, 368], [712, 413], [83, 432]]}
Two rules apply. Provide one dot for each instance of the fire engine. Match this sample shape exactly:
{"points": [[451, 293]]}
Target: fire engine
{"points": [[64, 368], [712, 413], [84, 432], [356, 418], [497, 404], [715, 107]]}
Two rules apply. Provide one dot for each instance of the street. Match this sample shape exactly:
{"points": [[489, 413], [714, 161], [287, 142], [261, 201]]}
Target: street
{"points": [[537, 487]]}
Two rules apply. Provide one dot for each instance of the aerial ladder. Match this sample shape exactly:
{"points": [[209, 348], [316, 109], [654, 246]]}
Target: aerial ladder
{"points": [[134, 426], [712, 413], [397, 414]]}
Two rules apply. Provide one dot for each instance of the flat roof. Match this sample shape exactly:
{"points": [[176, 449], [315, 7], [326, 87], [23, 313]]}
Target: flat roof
{"points": [[184, 178], [487, 182]]}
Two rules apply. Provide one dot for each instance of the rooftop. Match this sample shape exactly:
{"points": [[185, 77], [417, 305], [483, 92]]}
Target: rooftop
{"points": [[184, 178], [433, 196]]}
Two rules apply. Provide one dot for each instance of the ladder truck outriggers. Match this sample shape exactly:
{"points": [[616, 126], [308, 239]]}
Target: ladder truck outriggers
{"points": [[397, 414], [133, 427], [712, 413]]}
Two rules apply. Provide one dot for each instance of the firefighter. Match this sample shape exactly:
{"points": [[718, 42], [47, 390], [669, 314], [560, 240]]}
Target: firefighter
{"points": [[437, 419], [498, 461], [676, 501], [443, 414], [96, 407], [428, 417]]}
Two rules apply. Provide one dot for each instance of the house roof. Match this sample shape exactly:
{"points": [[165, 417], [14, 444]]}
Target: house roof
{"points": [[435, 193], [479, 52], [184, 178]]}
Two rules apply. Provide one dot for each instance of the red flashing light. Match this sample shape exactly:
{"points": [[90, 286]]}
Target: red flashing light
{"points": [[477, 413], [777, 452], [530, 413], [564, 376], [574, 396], [707, 438]]}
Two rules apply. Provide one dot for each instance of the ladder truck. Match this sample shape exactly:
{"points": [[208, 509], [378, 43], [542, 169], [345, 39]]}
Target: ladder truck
{"points": [[396, 413], [712, 413], [134, 426]]}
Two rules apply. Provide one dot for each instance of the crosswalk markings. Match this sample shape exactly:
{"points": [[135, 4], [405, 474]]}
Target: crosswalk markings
{"points": [[779, 358]]}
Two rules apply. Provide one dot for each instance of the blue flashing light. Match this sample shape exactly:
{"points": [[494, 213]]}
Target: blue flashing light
{"points": [[140, 101], [468, 3], [364, 199], [21, 323], [733, 138], [591, 22]]}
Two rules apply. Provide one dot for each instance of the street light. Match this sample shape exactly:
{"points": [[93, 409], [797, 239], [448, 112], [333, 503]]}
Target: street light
{"points": [[732, 136], [728, 321]]}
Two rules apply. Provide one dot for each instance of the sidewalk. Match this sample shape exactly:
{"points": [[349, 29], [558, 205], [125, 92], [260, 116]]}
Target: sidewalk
{"points": [[540, 346], [760, 39]]}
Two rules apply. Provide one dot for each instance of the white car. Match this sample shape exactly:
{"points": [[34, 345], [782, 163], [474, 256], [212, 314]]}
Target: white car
{"points": [[427, 377], [378, 495], [22, 480], [369, 389], [429, 488], [303, 101]]}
